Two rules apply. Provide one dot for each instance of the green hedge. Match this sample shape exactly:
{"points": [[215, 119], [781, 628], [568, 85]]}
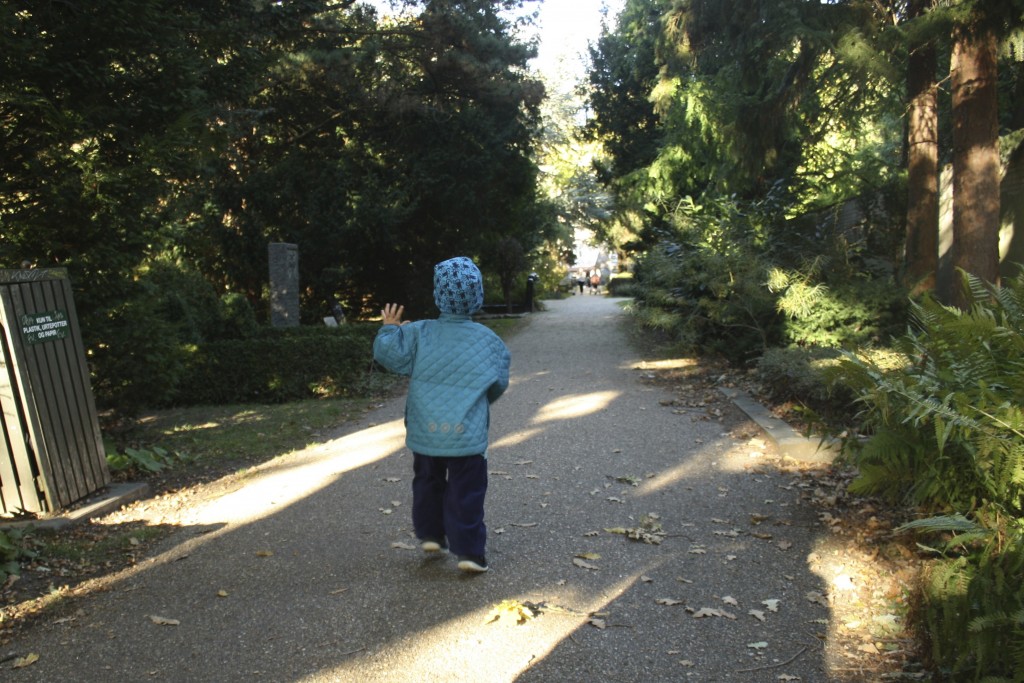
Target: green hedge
{"points": [[278, 365], [621, 284]]}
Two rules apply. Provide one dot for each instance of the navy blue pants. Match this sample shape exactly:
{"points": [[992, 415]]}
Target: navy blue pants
{"points": [[448, 501]]}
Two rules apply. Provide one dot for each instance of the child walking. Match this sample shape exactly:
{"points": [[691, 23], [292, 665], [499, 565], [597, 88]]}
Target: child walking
{"points": [[457, 368]]}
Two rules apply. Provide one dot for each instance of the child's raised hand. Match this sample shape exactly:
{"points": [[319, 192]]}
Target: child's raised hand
{"points": [[391, 314]]}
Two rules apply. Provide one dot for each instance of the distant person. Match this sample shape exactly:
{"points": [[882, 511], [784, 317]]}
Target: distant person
{"points": [[581, 280], [595, 282], [457, 368]]}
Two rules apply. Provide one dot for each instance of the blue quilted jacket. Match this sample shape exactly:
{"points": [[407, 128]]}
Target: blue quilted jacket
{"points": [[457, 367]]}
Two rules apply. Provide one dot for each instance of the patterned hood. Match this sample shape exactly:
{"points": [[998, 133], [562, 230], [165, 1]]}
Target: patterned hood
{"points": [[458, 286]]}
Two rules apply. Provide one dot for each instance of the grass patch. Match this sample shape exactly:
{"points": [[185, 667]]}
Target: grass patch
{"points": [[245, 432]]}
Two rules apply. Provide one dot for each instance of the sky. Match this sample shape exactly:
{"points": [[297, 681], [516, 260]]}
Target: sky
{"points": [[566, 26]]}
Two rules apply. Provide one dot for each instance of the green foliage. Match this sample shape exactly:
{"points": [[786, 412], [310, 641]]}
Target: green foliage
{"points": [[278, 365], [946, 431], [146, 460], [974, 613], [797, 373], [155, 148], [621, 284], [704, 282], [946, 428], [13, 549]]}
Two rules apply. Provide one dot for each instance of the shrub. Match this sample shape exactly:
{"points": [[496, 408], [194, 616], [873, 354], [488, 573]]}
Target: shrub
{"points": [[279, 364], [621, 284], [946, 427], [973, 604]]}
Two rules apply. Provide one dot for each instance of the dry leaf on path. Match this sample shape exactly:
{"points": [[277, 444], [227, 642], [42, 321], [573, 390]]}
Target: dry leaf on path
{"points": [[816, 597], [583, 564], [164, 621], [28, 660], [668, 601], [712, 612], [772, 604], [264, 553], [757, 614], [403, 546]]}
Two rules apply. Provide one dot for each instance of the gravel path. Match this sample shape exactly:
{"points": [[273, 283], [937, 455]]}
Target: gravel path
{"points": [[308, 570]]}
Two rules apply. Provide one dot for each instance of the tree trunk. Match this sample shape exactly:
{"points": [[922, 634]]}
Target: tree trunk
{"points": [[975, 157], [921, 255]]}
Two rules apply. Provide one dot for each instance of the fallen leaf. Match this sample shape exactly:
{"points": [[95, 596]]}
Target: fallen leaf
{"points": [[589, 556], [222, 594], [403, 546], [614, 499], [264, 553], [524, 462], [28, 660], [757, 614], [787, 677], [592, 533], [760, 645], [646, 579], [772, 604], [164, 621], [816, 597], [698, 550], [761, 535], [583, 564], [597, 623], [732, 533], [785, 545], [525, 525], [729, 600], [668, 601], [392, 480], [686, 662], [338, 591], [512, 610], [712, 612]]}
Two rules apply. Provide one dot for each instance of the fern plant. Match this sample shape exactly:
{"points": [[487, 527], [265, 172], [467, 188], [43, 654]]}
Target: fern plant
{"points": [[946, 432], [947, 429]]}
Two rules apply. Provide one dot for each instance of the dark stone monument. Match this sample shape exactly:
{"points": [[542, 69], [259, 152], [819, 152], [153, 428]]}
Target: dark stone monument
{"points": [[284, 284]]}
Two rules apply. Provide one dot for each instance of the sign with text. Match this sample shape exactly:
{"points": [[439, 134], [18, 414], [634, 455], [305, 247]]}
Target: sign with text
{"points": [[46, 326]]}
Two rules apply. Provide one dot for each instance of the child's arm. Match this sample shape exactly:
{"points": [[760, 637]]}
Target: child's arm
{"points": [[393, 348]]}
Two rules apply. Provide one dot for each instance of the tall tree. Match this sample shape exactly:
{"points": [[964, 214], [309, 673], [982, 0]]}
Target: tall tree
{"points": [[921, 250], [976, 171]]}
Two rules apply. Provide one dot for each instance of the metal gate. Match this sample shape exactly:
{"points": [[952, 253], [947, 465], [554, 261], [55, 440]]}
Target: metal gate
{"points": [[51, 450]]}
